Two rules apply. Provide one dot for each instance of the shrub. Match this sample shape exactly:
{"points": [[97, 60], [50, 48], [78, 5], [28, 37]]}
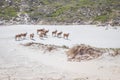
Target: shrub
{"points": [[8, 13], [59, 11], [44, 2], [83, 52], [102, 18], [66, 47]]}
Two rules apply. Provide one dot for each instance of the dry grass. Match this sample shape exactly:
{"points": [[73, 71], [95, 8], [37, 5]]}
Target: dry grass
{"points": [[49, 48], [86, 52], [28, 44], [113, 52], [83, 52], [78, 52], [44, 47]]}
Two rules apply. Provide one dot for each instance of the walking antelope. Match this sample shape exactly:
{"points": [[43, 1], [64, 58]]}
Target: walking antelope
{"points": [[65, 35], [59, 34], [41, 35], [32, 36], [40, 30], [18, 37], [46, 31], [23, 35], [54, 33]]}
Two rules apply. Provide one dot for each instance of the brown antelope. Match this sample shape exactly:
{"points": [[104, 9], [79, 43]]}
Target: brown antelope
{"points": [[59, 34], [24, 35], [32, 36], [54, 33], [65, 35], [40, 30], [18, 37], [46, 31], [41, 35]]}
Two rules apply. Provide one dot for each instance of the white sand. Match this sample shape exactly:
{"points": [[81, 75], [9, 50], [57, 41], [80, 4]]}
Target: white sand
{"points": [[23, 63]]}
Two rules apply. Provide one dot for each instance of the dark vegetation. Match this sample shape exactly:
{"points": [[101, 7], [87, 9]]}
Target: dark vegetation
{"points": [[62, 11]]}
